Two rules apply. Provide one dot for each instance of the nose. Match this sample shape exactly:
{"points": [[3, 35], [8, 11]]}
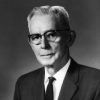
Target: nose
{"points": [[44, 43]]}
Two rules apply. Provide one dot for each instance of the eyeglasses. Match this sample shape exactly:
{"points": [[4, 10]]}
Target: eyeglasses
{"points": [[50, 35]]}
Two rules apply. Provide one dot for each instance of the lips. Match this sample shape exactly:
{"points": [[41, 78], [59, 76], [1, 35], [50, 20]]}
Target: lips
{"points": [[46, 54]]}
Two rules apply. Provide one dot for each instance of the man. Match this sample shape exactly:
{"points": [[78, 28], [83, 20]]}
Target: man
{"points": [[50, 38]]}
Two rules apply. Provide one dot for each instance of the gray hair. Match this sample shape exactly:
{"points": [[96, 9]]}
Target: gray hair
{"points": [[58, 12]]}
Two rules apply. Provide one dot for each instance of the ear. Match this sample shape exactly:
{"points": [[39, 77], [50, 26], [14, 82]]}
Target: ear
{"points": [[71, 38]]}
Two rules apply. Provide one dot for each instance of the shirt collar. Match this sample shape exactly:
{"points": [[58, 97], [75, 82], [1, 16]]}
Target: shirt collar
{"points": [[60, 74]]}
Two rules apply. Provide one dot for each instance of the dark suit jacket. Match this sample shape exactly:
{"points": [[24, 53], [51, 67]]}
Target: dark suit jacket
{"points": [[81, 83]]}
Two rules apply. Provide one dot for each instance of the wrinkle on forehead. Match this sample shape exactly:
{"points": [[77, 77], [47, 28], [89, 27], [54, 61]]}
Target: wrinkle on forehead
{"points": [[42, 23]]}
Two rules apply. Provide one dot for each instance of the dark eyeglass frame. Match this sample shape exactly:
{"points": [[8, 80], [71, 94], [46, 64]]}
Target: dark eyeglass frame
{"points": [[54, 33]]}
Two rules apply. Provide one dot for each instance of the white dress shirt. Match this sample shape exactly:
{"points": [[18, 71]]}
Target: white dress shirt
{"points": [[59, 76]]}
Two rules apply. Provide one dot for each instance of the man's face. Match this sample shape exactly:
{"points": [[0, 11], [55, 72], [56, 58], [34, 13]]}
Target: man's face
{"points": [[47, 52]]}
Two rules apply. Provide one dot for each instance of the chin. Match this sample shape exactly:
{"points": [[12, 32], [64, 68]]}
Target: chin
{"points": [[46, 62]]}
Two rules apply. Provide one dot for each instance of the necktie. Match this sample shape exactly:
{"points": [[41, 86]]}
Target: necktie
{"points": [[49, 91]]}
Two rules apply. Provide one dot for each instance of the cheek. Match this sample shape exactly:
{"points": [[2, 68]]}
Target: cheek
{"points": [[59, 49], [56, 48], [35, 50]]}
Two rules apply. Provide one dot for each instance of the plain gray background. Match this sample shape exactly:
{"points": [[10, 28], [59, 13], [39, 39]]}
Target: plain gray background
{"points": [[16, 56]]}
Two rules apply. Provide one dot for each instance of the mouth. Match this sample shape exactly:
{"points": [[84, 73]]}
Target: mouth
{"points": [[47, 55]]}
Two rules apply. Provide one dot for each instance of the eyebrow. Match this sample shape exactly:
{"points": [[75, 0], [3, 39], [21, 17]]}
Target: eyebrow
{"points": [[45, 31]]}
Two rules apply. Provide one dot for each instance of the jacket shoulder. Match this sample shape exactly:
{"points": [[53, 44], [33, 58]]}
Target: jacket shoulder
{"points": [[31, 76], [89, 75], [89, 71], [86, 74]]}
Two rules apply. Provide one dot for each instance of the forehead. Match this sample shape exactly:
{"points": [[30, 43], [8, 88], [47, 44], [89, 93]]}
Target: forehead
{"points": [[43, 23]]}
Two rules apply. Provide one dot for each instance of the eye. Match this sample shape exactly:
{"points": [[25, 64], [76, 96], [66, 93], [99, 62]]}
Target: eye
{"points": [[35, 37], [51, 34]]}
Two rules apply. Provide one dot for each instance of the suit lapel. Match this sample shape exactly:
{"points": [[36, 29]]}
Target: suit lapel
{"points": [[70, 82], [39, 86]]}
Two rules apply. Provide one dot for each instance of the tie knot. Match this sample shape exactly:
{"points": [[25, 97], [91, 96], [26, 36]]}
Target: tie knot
{"points": [[51, 79]]}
